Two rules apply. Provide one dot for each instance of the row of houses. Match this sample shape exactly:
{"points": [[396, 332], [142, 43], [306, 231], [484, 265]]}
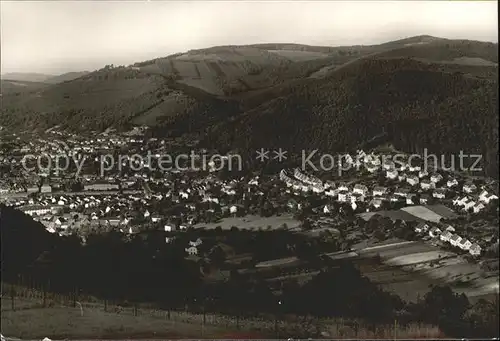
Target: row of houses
{"points": [[449, 236]]}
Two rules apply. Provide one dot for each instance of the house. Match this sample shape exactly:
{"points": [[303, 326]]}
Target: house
{"points": [[412, 180], [344, 197], [445, 236], [422, 227], [342, 187], [452, 183], [326, 210], [414, 168], [388, 165], [376, 202], [147, 214], [409, 198], [360, 189], [35, 209], [370, 167], [475, 249], [469, 187], [379, 191], [426, 184], [465, 244], [192, 251], [439, 193], [156, 218], [434, 232], [455, 239], [101, 186], [46, 188], [436, 178], [460, 201], [391, 174], [402, 192], [450, 228], [423, 173], [468, 205], [487, 197], [424, 199], [478, 207], [197, 242]]}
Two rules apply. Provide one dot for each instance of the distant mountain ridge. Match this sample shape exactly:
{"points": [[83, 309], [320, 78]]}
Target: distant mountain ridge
{"points": [[42, 78]]}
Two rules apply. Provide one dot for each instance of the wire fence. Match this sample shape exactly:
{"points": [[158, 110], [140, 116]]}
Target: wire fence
{"points": [[15, 298]]}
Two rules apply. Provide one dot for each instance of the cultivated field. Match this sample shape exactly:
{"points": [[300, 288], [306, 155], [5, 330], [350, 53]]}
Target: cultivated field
{"points": [[251, 222], [409, 269]]}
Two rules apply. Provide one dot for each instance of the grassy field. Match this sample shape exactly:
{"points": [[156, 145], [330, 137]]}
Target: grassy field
{"points": [[409, 269], [250, 222], [31, 321]]}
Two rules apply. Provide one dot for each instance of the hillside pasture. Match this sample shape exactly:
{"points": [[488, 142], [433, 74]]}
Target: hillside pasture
{"points": [[298, 56]]}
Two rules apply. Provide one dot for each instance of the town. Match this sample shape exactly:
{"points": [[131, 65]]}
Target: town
{"points": [[375, 203]]}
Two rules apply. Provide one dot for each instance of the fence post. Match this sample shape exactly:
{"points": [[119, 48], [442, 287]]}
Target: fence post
{"points": [[12, 294], [44, 295]]}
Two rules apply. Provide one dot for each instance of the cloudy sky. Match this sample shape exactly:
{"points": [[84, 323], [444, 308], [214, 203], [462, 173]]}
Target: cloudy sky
{"points": [[60, 36]]}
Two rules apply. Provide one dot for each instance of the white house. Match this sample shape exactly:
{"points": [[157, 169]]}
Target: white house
{"points": [[487, 197], [412, 180], [146, 214], [422, 227], [326, 210], [424, 199], [468, 205], [402, 192], [409, 198], [469, 187], [434, 232], [445, 236], [233, 209], [192, 250], [436, 178], [439, 193], [460, 201], [197, 242], [455, 240], [388, 165], [415, 168], [426, 184], [360, 189], [450, 228], [422, 173], [465, 244], [342, 187], [379, 191], [344, 197], [478, 207], [376, 202], [370, 167], [391, 174], [452, 183], [475, 249]]}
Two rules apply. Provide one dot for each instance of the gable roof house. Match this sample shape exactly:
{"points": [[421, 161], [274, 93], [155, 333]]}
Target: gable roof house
{"points": [[412, 180], [445, 236], [360, 189], [469, 187], [439, 193], [436, 177], [465, 244], [379, 191], [391, 174], [455, 239], [434, 232], [452, 183], [475, 249]]}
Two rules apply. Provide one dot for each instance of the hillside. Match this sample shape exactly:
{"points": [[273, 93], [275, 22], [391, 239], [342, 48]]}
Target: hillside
{"points": [[26, 76], [286, 94], [419, 104]]}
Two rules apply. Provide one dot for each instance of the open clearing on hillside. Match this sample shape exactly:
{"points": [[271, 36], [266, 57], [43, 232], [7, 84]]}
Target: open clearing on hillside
{"points": [[298, 56], [251, 222]]}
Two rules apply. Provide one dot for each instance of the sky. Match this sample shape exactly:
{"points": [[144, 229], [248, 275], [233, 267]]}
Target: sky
{"points": [[54, 37]]}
